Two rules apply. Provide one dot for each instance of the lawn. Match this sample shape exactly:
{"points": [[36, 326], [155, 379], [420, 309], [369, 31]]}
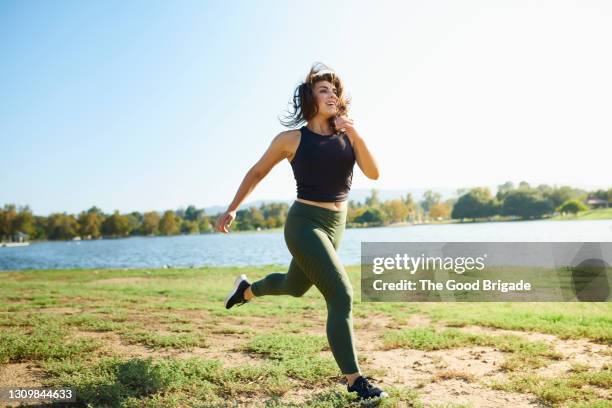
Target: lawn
{"points": [[161, 338]]}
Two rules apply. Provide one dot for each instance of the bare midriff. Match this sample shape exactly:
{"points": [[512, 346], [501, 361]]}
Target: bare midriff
{"points": [[334, 206]]}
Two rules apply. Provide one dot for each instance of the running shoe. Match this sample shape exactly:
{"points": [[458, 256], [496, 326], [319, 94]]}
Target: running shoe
{"points": [[366, 390], [236, 295]]}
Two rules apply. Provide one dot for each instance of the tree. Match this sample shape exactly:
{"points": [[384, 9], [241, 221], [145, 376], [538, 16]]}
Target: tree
{"points": [[135, 219], [372, 200], [116, 225], [193, 214], [189, 227], [440, 210], [504, 189], [371, 216], [526, 203], [62, 226], [562, 194], [395, 210], [150, 223], [24, 221], [572, 207], [90, 224], [205, 225], [7, 218], [478, 203], [168, 225], [430, 198]]}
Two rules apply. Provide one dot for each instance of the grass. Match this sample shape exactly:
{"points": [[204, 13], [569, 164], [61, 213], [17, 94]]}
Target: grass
{"points": [[597, 214], [573, 389], [152, 338]]}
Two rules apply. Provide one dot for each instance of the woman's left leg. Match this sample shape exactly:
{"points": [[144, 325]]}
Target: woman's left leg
{"points": [[293, 283]]}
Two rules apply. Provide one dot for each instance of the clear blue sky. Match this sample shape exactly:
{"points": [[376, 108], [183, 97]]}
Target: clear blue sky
{"points": [[146, 105]]}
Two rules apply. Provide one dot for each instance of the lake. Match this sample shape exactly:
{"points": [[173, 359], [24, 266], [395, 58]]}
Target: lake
{"points": [[263, 248]]}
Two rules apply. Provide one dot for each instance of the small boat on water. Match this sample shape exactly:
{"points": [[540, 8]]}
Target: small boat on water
{"points": [[13, 244]]}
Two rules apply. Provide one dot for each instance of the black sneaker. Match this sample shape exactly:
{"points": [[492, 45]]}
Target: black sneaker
{"points": [[236, 296], [366, 390]]}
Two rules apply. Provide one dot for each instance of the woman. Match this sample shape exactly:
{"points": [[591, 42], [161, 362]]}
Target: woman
{"points": [[322, 154]]}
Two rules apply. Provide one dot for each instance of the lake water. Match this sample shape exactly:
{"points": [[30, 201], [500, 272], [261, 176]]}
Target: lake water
{"points": [[263, 248]]}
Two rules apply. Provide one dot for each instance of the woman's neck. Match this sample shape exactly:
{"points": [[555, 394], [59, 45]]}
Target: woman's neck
{"points": [[320, 126]]}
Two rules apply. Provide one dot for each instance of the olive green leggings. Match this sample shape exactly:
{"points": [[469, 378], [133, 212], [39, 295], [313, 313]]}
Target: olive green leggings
{"points": [[313, 235]]}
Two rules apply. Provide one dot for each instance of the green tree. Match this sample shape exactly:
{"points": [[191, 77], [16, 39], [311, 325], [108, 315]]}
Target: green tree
{"points": [[40, 227], [135, 220], [559, 195], [90, 224], [572, 207], [430, 198], [150, 223], [371, 216], [193, 214], [7, 219], [24, 221], [526, 203], [477, 203], [62, 226], [169, 224], [372, 200], [189, 227], [116, 225], [503, 190], [204, 225]]}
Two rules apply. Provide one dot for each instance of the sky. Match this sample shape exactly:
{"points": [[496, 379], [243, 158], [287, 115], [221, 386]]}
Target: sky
{"points": [[155, 105]]}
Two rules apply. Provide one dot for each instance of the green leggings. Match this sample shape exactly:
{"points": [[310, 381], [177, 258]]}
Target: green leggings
{"points": [[312, 235]]}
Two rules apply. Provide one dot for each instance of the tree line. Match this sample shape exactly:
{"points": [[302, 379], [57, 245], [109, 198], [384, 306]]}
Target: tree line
{"points": [[520, 202], [94, 224]]}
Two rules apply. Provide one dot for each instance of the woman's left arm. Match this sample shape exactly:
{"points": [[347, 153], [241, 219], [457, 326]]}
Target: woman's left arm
{"points": [[364, 158]]}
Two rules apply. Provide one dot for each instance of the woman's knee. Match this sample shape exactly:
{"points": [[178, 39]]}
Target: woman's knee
{"points": [[341, 300], [297, 292]]}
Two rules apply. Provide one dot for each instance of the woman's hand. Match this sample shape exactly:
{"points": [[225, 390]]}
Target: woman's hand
{"points": [[225, 221], [344, 124], [364, 158]]}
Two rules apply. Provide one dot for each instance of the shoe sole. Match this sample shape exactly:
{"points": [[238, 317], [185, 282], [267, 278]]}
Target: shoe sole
{"points": [[233, 291]]}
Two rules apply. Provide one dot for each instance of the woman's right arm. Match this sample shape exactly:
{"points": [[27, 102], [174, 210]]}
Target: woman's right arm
{"points": [[277, 151]]}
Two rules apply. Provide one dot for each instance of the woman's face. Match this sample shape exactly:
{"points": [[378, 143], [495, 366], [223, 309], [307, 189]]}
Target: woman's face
{"points": [[325, 94]]}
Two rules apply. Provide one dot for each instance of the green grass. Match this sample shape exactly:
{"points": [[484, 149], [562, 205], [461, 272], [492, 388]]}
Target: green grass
{"points": [[573, 389], [597, 214], [566, 320], [61, 320]]}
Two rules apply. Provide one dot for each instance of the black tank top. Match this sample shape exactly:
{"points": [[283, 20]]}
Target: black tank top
{"points": [[323, 166]]}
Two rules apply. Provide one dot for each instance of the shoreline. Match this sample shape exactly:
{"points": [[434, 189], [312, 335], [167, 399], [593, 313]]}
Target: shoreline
{"points": [[349, 226]]}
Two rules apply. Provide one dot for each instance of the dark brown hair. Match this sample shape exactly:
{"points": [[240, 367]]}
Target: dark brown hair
{"points": [[304, 102]]}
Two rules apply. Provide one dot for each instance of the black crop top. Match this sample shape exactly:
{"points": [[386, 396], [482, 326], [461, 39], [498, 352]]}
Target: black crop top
{"points": [[323, 166]]}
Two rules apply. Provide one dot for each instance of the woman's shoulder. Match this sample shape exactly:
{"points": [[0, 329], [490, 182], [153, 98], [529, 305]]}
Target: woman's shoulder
{"points": [[289, 137], [291, 133]]}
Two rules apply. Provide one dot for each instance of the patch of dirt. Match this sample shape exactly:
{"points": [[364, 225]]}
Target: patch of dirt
{"points": [[474, 394], [114, 345], [59, 310], [20, 375], [574, 351], [417, 369], [223, 347]]}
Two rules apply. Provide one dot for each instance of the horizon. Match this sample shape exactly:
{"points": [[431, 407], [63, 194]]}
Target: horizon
{"points": [[362, 191]]}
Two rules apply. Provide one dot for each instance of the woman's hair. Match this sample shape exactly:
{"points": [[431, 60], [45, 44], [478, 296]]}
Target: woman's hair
{"points": [[304, 102]]}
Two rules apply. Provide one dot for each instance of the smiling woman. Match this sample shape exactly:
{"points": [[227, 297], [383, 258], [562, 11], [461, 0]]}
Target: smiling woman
{"points": [[322, 154]]}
